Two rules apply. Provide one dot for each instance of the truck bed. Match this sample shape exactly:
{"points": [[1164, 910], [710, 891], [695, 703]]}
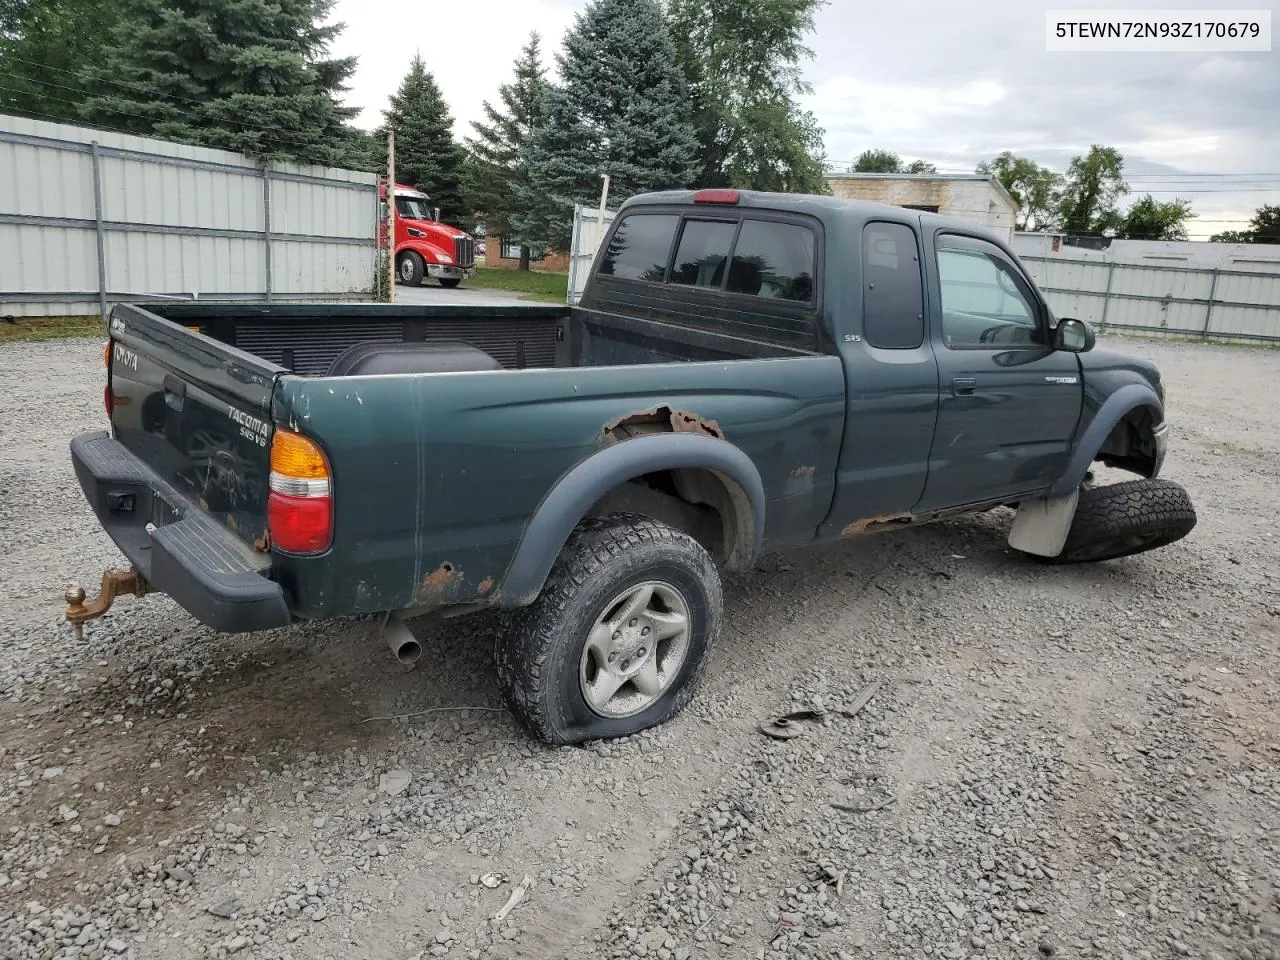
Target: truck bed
{"points": [[307, 339]]}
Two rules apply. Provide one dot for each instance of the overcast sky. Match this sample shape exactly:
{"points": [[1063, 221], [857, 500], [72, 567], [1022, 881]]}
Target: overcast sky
{"points": [[950, 81]]}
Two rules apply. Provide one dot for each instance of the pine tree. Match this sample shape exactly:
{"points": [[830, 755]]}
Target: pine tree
{"points": [[499, 164], [427, 157], [245, 75], [741, 62], [620, 110], [44, 46]]}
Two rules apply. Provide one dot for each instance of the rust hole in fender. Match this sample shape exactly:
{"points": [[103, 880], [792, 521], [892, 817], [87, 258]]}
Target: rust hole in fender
{"points": [[660, 419]]}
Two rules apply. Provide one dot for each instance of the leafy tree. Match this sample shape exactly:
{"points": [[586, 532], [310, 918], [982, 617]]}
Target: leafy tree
{"points": [[1266, 224], [427, 157], [1094, 184], [246, 75], [499, 162], [44, 47], [919, 167], [1149, 219], [1263, 228], [1034, 187], [621, 111], [877, 161], [741, 63]]}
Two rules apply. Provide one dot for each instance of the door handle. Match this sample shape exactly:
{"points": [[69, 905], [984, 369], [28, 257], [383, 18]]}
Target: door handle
{"points": [[964, 386]]}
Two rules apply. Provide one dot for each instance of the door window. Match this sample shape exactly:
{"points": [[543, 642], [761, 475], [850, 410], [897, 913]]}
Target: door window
{"points": [[985, 303]]}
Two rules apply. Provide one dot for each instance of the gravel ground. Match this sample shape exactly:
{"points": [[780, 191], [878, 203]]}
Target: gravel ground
{"points": [[1079, 762]]}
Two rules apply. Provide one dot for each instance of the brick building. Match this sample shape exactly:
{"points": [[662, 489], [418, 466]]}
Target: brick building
{"points": [[972, 196]]}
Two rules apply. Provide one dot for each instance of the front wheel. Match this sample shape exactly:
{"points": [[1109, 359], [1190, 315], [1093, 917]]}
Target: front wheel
{"points": [[411, 268], [450, 283], [617, 640], [1122, 519]]}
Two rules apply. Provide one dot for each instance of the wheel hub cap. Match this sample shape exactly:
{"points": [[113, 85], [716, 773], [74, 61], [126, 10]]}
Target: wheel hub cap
{"points": [[635, 649]]}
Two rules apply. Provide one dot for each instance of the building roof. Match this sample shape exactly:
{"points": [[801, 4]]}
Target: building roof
{"points": [[927, 177]]}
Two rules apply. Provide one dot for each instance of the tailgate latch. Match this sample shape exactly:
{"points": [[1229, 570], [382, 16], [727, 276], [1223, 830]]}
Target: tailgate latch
{"points": [[115, 583]]}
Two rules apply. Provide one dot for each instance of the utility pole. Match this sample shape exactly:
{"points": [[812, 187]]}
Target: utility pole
{"points": [[391, 216]]}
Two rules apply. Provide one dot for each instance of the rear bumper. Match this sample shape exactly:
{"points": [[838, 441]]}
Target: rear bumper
{"points": [[176, 548], [441, 272]]}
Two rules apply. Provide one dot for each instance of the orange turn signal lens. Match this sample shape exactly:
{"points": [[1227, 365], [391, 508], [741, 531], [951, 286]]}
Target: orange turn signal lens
{"points": [[296, 457]]}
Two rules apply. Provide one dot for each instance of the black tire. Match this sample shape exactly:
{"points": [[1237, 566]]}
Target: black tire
{"points": [[410, 269], [540, 652], [1122, 519], [450, 283]]}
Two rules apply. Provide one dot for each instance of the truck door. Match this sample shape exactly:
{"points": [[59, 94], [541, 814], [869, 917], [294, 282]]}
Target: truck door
{"points": [[891, 381], [1008, 403]]}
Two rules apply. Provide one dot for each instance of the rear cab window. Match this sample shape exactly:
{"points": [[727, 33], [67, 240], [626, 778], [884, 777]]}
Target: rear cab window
{"points": [[740, 254]]}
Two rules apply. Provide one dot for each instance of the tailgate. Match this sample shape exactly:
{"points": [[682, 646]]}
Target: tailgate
{"points": [[197, 412]]}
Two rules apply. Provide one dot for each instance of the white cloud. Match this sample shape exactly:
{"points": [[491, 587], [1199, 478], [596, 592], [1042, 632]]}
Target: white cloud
{"points": [[953, 83], [468, 47]]}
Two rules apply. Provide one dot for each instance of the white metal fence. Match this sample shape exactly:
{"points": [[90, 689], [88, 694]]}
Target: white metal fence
{"points": [[89, 217], [588, 234], [1182, 301]]}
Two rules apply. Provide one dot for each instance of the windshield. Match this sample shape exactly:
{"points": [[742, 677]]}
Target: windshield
{"points": [[412, 208]]}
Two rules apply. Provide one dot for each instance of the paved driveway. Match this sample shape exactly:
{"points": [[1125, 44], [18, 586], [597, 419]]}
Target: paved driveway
{"points": [[431, 292]]}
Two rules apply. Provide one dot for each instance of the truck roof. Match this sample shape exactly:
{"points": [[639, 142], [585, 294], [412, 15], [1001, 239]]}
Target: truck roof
{"points": [[824, 208]]}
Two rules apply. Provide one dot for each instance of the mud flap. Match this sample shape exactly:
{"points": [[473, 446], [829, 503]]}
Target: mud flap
{"points": [[1041, 526]]}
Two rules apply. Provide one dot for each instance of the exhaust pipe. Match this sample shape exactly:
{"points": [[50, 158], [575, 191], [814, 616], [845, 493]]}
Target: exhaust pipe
{"points": [[404, 646]]}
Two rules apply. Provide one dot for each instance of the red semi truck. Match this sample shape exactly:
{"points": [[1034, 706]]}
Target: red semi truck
{"points": [[425, 247]]}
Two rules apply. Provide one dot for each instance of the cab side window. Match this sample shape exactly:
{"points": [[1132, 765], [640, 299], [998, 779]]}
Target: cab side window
{"points": [[985, 302], [892, 287]]}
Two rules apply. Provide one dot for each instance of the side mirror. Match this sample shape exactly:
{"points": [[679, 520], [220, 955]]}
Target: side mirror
{"points": [[1073, 335], [435, 214]]}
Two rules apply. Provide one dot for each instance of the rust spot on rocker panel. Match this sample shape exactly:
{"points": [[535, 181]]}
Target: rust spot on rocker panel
{"points": [[484, 587], [660, 419], [441, 578], [876, 524]]}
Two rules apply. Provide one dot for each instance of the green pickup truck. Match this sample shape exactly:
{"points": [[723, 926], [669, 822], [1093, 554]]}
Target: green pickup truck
{"points": [[744, 373]]}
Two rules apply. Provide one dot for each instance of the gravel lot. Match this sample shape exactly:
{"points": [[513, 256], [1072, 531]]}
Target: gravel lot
{"points": [[1079, 762]]}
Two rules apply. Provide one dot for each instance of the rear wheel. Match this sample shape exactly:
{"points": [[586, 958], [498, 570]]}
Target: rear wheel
{"points": [[411, 269], [449, 283], [1122, 519], [616, 641]]}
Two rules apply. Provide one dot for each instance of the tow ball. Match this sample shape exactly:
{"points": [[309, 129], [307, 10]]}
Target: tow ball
{"points": [[115, 583]]}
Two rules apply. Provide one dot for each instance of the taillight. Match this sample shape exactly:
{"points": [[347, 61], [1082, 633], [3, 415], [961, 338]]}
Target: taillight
{"points": [[300, 504], [106, 391]]}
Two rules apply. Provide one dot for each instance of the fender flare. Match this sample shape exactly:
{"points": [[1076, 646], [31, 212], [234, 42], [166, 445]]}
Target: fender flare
{"points": [[575, 492], [1116, 407]]}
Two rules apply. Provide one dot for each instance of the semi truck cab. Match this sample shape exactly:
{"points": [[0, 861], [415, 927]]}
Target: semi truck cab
{"points": [[425, 247]]}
